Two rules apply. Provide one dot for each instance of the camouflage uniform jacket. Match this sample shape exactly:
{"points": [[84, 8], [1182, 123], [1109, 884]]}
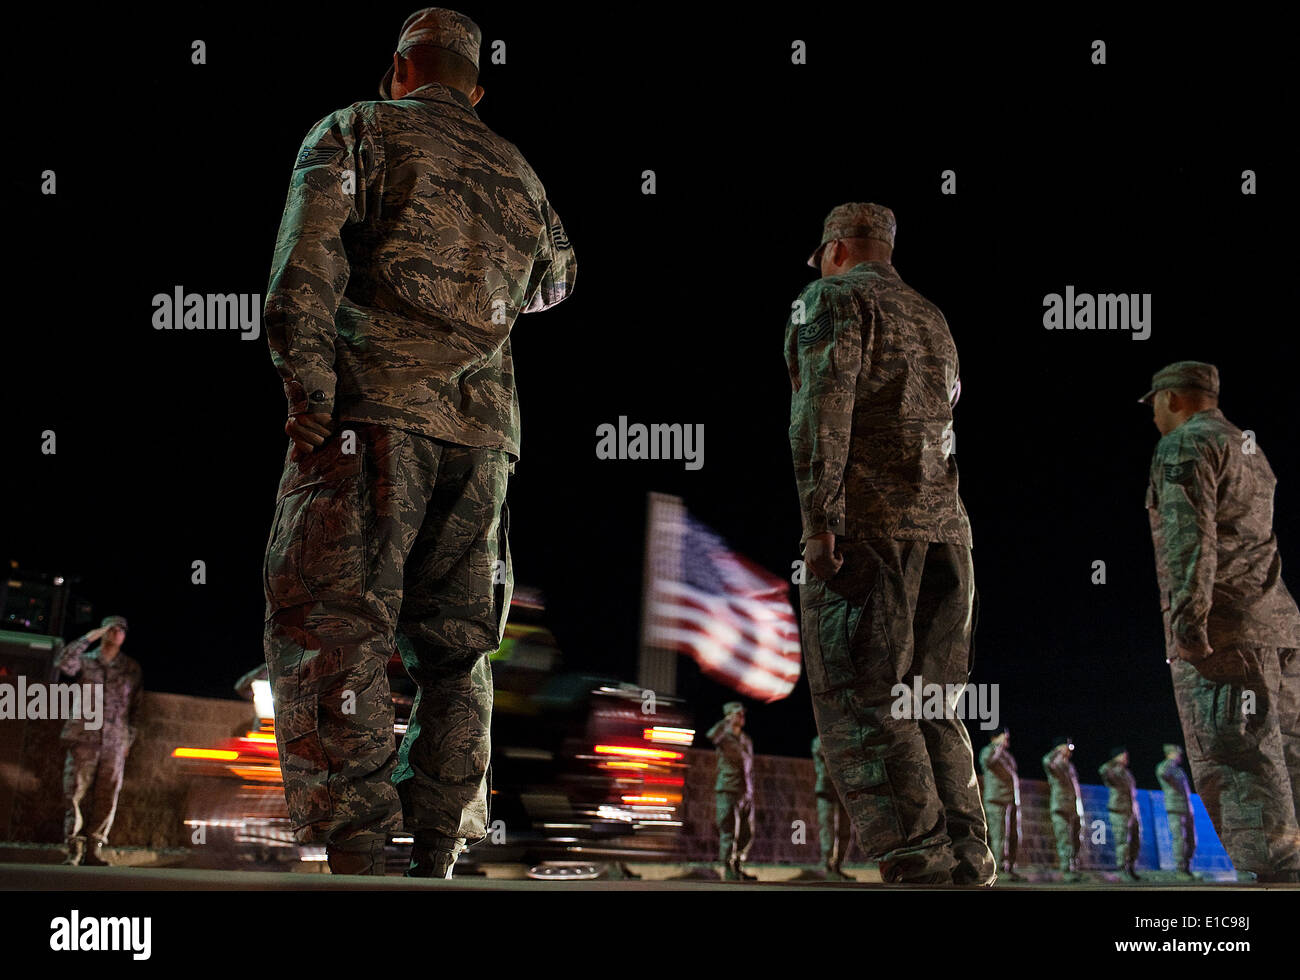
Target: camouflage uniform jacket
{"points": [[1122, 786], [1211, 509], [1001, 779], [874, 373], [123, 692], [1178, 793], [1063, 779], [735, 760], [411, 238]]}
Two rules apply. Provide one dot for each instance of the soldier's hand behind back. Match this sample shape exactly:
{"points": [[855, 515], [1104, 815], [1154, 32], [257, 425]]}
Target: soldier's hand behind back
{"points": [[308, 430], [820, 555]]}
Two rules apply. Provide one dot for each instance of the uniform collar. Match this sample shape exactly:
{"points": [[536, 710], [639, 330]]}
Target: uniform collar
{"points": [[1204, 415], [437, 92], [875, 267]]}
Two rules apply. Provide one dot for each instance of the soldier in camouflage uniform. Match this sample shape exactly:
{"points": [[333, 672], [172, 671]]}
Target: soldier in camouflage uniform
{"points": [[1122, 807], [1178, 810], [734, 791], [98, 758], [874, 376], [834, 827], [1002, 801], [1231, 627], [411, 239], [1065, 803]]}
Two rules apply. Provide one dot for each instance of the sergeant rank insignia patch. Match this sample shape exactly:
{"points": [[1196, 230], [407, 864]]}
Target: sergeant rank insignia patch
{"points": [[315, 156], [817, 331]]}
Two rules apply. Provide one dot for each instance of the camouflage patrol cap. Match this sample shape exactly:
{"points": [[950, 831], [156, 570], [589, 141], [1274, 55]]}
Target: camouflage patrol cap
{"points": [[1184, 374], [113, 621], [1117, 751], [441, 28], [855, 221], [1171, 747], [731, 707]]}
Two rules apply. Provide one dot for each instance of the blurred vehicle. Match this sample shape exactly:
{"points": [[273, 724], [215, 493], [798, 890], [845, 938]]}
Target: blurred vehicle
{"points": [[586, 771]]}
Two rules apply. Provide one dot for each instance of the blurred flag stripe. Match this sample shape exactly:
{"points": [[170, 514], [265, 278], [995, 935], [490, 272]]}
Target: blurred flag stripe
{"points": [[734, 631], [728, 614]]}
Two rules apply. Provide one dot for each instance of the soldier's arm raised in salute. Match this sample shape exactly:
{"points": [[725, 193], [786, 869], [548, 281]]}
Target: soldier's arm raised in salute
{"points": [[69, 658]]}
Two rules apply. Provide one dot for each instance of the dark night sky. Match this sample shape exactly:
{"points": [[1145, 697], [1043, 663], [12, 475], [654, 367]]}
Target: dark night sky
{"points": [[1123, 178]]}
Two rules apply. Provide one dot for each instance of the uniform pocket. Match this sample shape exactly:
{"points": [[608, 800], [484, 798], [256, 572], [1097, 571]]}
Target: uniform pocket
{"points": [[830, 622], [1244, 836], [317, 549], [303, 761]]}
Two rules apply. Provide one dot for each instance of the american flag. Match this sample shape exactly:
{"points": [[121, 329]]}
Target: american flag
{"points": [[707, 601]]}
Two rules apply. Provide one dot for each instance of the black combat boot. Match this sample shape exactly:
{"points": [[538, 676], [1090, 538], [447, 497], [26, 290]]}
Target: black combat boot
{"points": [[434, 857], [94, 854], [362, 855], [1288, 876], [741, 873], [76, 850], [1130, 874]]}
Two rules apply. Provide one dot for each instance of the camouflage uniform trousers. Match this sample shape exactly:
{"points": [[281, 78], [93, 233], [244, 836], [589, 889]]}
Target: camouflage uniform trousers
{"points": [[1246, 763], [735, 818], [98, 760], [402, 542], [835, 830], [1067, 828], [1126, 832], [1004, 832], [897, 609], [1182, 832]]}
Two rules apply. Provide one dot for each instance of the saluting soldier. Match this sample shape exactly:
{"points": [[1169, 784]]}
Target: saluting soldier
{"points": [[97, 758], [1122, 807], [1002, 801], [1065, 803], [734, 791]]}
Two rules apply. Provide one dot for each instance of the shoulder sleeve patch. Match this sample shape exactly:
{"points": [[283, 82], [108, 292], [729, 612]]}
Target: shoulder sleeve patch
{"points": [[1179, 473], [316, 156], [818, 330]]}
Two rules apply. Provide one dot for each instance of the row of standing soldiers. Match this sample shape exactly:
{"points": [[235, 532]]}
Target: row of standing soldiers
{"points": [[734, 797], [1002, 806]]}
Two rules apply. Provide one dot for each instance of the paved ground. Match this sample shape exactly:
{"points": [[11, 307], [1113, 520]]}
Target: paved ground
{"points": [[44, 877], [37, 867]]}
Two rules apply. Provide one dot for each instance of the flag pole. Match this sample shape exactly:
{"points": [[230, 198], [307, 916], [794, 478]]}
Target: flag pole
{"points": [[656, 667]]}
